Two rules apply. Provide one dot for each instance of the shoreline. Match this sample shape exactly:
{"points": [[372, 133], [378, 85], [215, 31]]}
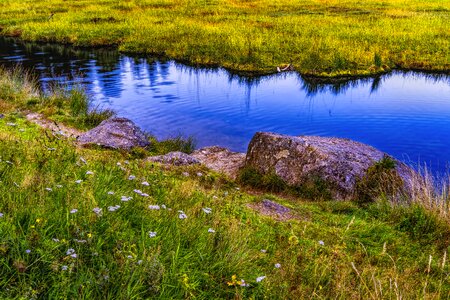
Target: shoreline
{"points": [[311, 76]]}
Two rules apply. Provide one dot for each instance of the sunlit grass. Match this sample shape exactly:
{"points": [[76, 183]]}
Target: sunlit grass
{"points": [[316, 37], [95, 224]]}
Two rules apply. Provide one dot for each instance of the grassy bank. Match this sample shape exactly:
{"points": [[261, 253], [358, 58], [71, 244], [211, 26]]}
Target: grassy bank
{"points": [[328, 38], [96, 224]]}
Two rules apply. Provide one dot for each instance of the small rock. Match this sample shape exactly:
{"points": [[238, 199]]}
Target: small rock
{"points": [[275, 207], [174, 158]]}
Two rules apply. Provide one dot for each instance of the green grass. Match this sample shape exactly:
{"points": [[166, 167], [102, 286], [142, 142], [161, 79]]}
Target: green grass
{"points": [[318, 37], [52, 192], [19, 89], [377, 252]]}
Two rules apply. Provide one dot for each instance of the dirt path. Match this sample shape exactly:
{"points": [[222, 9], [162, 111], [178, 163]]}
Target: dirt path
{"points": [[58, 128]]}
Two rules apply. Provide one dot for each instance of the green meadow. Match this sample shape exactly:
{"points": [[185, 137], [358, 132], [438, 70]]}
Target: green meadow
{"points": [[90, 223], [317, 37]]}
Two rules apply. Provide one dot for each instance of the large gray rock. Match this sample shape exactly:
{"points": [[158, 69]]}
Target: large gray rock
{"points": [[340, 163], [116, 133]]}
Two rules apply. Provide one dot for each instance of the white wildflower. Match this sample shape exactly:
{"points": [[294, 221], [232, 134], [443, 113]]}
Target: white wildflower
{"points": [[260, 278], [207, 210], [129, 256], [125, 198], [64, 268], [55, 240], [71, 253], [73, 211], [152, 234], [163, 206], [1, 215], [145, 183], [185, 174], [48, 189], [321, 243], [131, 177], [28, 251], [182, 215], [154, 207], [199, 174], [277, 265], [78, 181], [51, 149], [113, 208], [11, 124], [83, 160], [110, 193], [97, 211], [137, 191], [127, 162], [59, 186], [144, 195], [263, 250], [139, 262], [119, 164], [243, 283], [211, 230], [89, 173]]}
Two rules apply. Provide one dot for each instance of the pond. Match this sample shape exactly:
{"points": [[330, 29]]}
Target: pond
{"points": [[406, 114]]}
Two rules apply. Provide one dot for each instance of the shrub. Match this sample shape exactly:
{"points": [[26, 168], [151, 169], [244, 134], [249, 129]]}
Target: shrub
{"points": [[381, 179]]}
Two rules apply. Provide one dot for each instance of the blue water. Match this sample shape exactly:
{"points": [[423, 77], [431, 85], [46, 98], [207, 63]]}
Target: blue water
{"points": [[404, 114]]}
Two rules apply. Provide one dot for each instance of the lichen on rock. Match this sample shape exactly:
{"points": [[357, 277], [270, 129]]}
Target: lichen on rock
{"points": [[339, 164]]}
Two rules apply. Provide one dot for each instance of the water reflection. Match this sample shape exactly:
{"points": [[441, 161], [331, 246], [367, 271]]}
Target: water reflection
{"points": [[406, 114]]}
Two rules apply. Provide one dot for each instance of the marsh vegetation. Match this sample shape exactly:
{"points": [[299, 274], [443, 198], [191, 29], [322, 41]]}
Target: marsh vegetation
{"points": [[317, 37]]}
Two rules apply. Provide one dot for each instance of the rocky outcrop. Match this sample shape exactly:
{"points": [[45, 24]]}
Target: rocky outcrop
{"points": [[220, 159], [297, 160], [116, 133], [174, 158]]}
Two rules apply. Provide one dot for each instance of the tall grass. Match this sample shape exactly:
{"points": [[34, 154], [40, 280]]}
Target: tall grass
{"points": [[61, 103], [317, 37], [432, 192]]}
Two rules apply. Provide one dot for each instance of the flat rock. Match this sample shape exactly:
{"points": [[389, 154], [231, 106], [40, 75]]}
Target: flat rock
{"points": [[56, 128], [220, 159], [115, 133], [298, 159], [174, 158], [273, 209]]}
